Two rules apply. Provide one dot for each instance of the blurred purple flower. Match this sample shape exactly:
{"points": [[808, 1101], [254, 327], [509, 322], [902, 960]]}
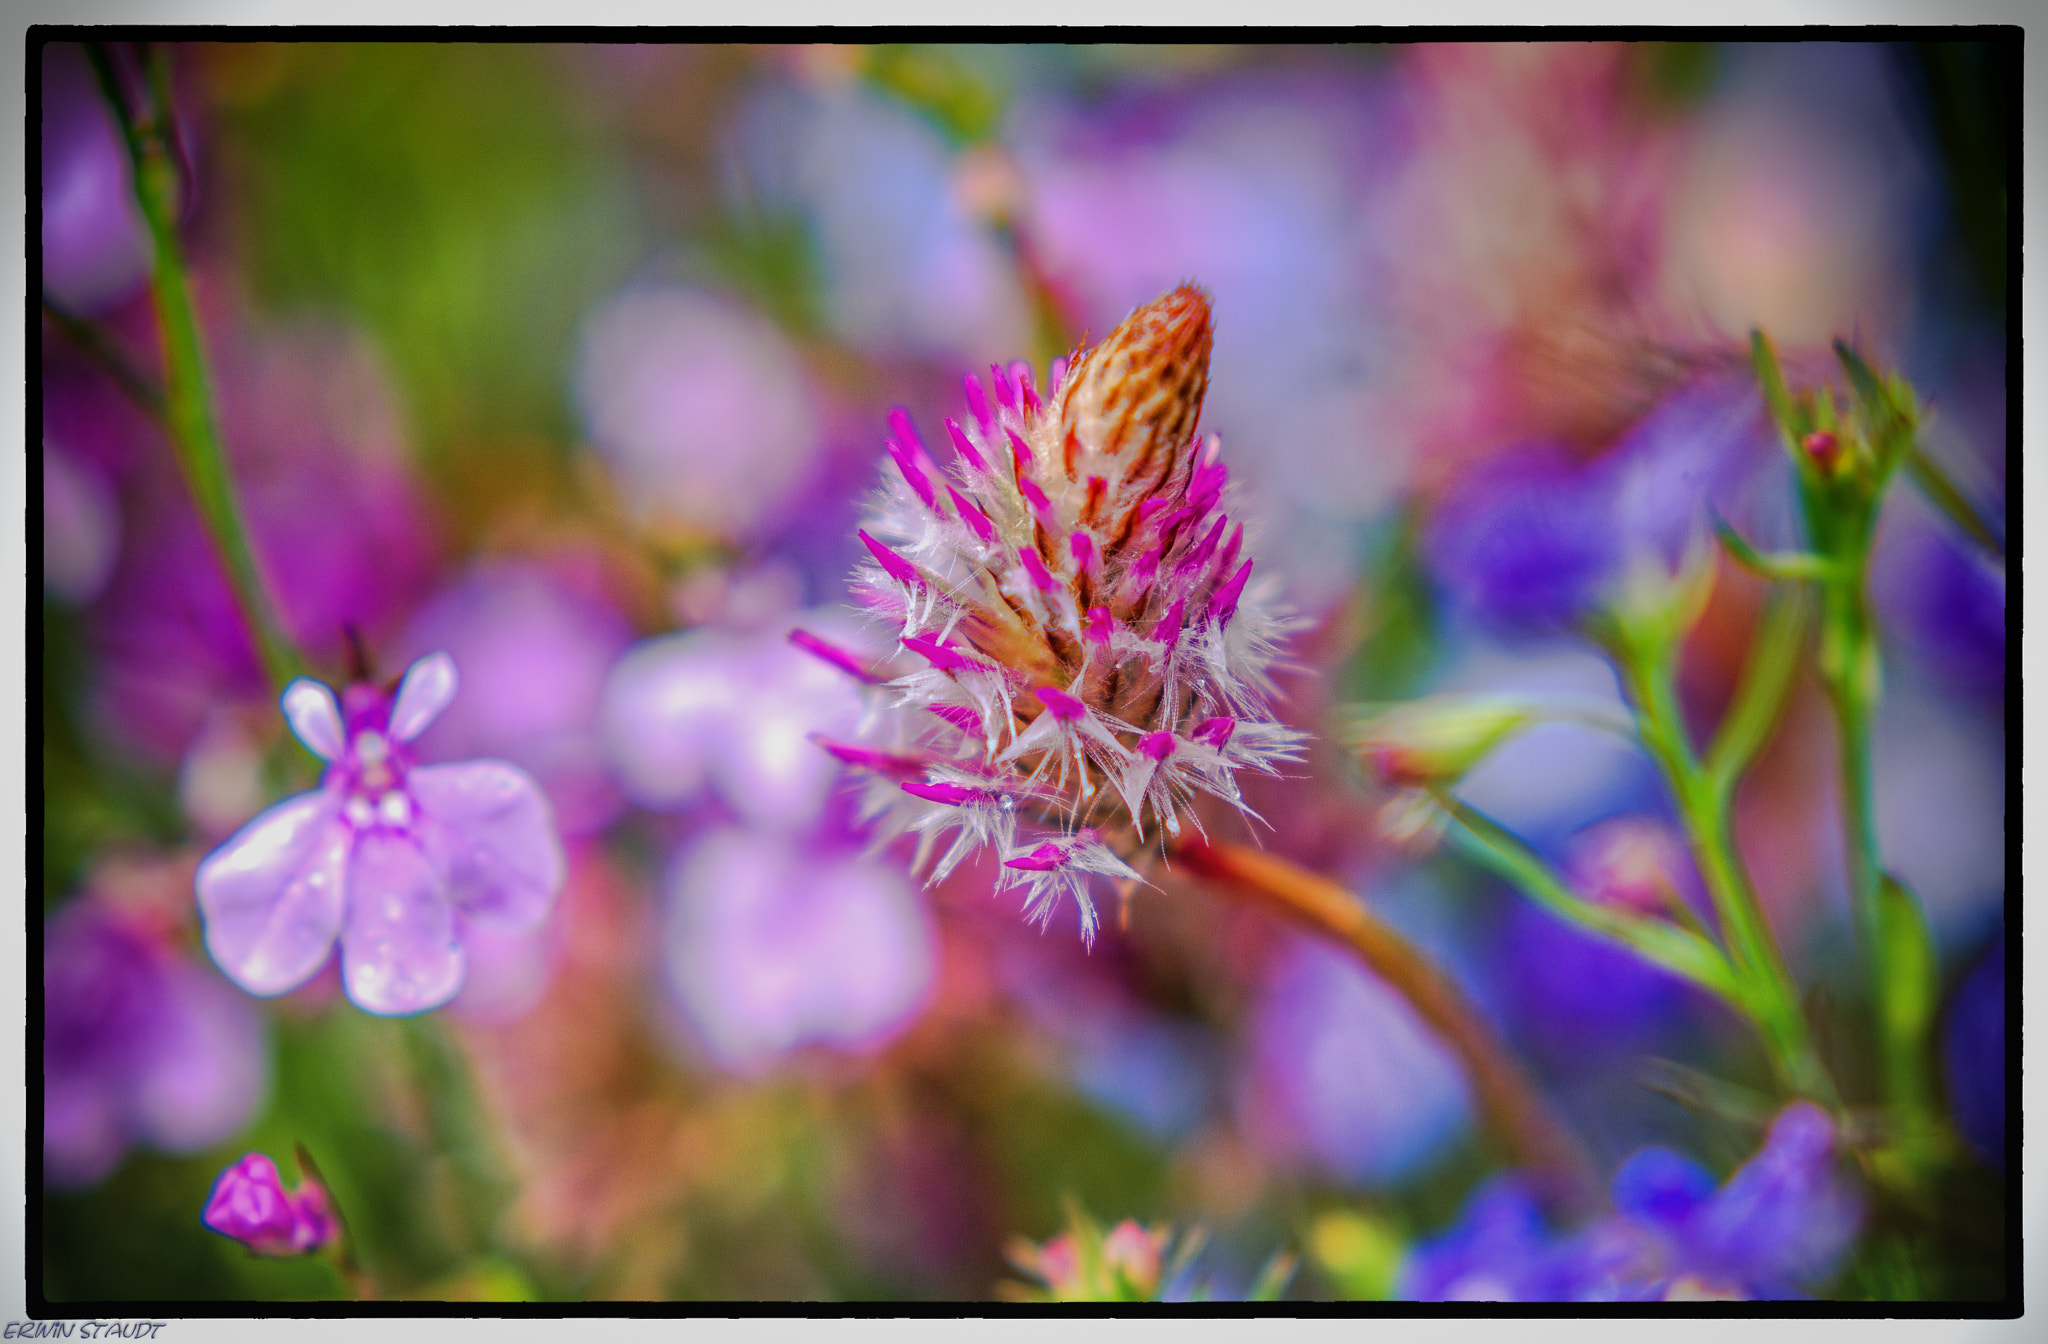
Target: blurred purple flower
{"points": [[700, 405], [140, 1045], [906, 270], [1943, 599], [337, 524], [95, 248], [769, 947], [1273, 188], [1781, 1223], [1500, 1251], [81, 527], [395, 859], [1531, 540], [1973, 1049], [1575, 998], [731, 712], [534, 652], [1345, 1075], [1525, 538], [250, 1204]]}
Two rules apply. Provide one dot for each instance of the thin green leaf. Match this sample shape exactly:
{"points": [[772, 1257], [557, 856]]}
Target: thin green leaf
{"points": [[1946, 496], [1760, 697], [1783, 566], [1677, 950], [1765, 357], [1274, 1278]]}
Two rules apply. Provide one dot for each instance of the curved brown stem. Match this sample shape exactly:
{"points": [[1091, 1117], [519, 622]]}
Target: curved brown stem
{"points": [[1520, 1119]]}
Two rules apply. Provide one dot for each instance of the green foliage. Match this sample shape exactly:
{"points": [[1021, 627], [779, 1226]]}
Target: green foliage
{"points": [[960, 89], [1359, 1253], [444, 195]]}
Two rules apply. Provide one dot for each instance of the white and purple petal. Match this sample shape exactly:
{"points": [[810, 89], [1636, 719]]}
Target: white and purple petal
{"points": [[315, 719], [272, 895], [399, 952], [428, 687], [486, 829]]}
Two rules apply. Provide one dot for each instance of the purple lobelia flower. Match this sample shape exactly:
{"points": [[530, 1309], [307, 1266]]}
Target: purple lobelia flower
{"points": [[250, 1204], [140, 1045], [1093, 652], [393, 858], [1781, 1223]]}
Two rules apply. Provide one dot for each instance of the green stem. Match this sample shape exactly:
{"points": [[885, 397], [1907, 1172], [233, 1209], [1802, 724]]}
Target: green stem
{"points": [[188, 395], [1892, 942], [1678, 950], [1705, 802]]}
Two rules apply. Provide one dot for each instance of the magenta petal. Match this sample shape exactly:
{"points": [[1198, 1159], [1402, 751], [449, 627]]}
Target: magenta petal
{"points": [[488, 833], [249, 1204], [398, 949], [272, 895]]}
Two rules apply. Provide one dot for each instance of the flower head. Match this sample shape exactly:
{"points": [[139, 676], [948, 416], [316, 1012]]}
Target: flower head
{"points": [[1085, 649], [250, 1204], [394, 859]]}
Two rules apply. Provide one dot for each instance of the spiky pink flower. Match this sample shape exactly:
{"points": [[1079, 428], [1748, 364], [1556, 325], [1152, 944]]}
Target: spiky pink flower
{"points": [[1081, 649]]}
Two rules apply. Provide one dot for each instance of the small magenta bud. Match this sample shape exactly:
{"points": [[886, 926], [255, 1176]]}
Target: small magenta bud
{"points": [[964, 445], [1033, 496], [943, 656], [1035, 567], [868, 758], [960, 716], [1823, 449], [1158, 745], [1060, 705], [250, 1204], [1043, 859], [912, 473], [1026, 388], [1215, 732], [1225, 605], [1098, 626], [840, 658], [953, 795], [904, 428], [1167, 631], [977, 403], [973, 517], [895, 565], [1006, 392], [1083, 547], [1019, 450], [1055, 376]]}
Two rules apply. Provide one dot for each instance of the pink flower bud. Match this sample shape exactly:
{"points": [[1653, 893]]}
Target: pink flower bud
{"points": [[250, 1204]]}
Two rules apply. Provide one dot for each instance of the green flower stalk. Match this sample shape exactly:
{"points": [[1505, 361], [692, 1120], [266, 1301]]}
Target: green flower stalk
{"points": [[1845, 454], [188, 392]]}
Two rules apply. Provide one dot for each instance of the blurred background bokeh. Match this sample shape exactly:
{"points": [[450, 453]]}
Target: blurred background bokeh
{"points": [[574, 362]]}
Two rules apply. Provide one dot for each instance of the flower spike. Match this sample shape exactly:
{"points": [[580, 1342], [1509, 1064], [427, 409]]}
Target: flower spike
{"points": [[1071, 622]]}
